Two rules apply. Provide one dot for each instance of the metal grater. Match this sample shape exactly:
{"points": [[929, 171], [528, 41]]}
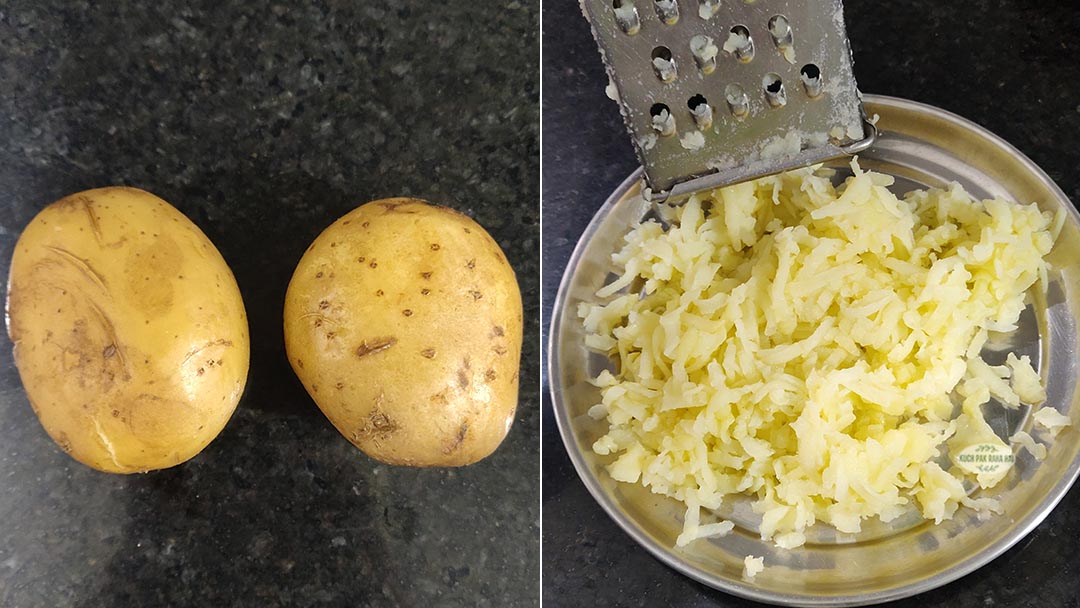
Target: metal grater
{"points": [[716, 92]]}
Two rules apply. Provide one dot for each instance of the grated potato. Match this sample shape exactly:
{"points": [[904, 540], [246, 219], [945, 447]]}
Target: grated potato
{"points": [[801, 343], [1051, 420], [1036, 449], [752, 566]]}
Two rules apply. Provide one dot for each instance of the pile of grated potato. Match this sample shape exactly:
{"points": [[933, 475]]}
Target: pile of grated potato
{"points": [[802, 344]]}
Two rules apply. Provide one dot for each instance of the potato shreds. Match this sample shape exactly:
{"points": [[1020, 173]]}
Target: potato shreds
{"points": [[752, 566], [1051, 420], [799, 343]]}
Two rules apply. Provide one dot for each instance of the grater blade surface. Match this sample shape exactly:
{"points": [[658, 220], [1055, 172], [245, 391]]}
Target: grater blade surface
{"points": [[715, 92]]}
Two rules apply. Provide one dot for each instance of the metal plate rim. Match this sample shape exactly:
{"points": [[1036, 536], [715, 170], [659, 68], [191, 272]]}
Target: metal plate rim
{"points": [[665, 554]]}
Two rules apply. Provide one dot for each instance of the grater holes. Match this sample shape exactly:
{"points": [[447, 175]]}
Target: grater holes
{"points": [[704, 51], [664, 64], [774, 90], [810, 74], [701, 111], [740, 44], [783, 38], [780, 28], [708, 8], [667, 10], [737, 99], [663, 121], [626, 16]]}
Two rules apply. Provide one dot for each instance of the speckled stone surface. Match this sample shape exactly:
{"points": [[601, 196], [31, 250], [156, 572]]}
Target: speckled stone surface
{"points": [[1006, 64], [264, 122]]}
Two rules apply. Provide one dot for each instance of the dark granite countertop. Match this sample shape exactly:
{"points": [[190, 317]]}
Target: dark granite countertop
{"points": [[263, 122], [1008, 65]]}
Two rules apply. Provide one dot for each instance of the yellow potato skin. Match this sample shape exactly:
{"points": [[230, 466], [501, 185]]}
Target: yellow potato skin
{"points": [[403, 321], [130, 335]]}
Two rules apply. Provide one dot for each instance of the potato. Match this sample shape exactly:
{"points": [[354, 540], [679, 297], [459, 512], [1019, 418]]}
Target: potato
{"points": [[403, 321], [130, 335]]}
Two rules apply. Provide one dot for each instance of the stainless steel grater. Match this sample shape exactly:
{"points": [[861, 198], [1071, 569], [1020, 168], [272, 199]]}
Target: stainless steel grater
{"points": [[715, 92]]}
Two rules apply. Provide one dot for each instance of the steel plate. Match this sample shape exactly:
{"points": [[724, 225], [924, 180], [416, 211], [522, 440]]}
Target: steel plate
{"points": [[921, 146]]}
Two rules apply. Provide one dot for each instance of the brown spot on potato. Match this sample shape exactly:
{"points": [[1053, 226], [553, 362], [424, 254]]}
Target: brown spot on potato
{"points": [[160, 258], [361, 259], [378, 426], [330, 335], [346, 222], [489, 375], [499, 350], [201, 371], [425, 275], [300, 363], [471, 264], [324, 305], [365, 224], [116, 413], [379, 292], [428, 353], [476, 295], [373, 264], [64, 442], [376, 345], [435, 247], [458, 439], [407, 312], [497, 331], [425, 291], [318, 275], [467, 231], [339, 385], [110, 351], [462, 374], [440, 399], [391, 207]]}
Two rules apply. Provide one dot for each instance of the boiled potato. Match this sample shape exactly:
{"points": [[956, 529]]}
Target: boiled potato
{"points": [[130, 335], [403, 321]]}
